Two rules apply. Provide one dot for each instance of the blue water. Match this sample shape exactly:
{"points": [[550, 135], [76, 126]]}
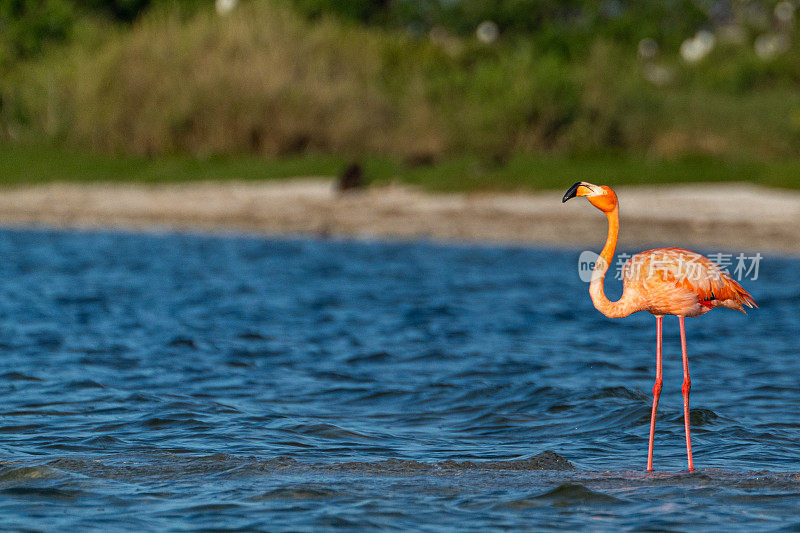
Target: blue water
{"points": [[186, 382]]}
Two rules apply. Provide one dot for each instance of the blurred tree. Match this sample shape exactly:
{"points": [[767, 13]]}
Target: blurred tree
{"points": [[122, 10], [26, 25], [130, 10], [558, 25], [360, 10]]}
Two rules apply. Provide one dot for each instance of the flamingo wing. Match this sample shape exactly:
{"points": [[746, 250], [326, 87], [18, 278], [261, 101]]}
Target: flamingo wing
{"points": [[683, 282]]}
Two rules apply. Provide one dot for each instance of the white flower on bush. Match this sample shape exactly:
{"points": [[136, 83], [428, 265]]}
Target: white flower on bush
{"points": [[694, 49], [768, 46], [225, 6], [487, 32]]}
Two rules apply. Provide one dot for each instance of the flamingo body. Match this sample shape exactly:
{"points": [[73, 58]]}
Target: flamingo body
{"points": [[662, 281], [674, 281]]}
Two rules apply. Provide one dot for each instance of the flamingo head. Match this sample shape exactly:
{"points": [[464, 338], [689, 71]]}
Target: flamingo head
{"points": [[600, 196]]}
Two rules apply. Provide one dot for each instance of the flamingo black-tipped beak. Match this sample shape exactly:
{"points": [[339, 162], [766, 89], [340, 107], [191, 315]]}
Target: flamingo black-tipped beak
{"points": [[572, 192]]}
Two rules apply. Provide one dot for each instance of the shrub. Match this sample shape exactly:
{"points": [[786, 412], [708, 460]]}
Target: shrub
{"points": [[260, 80], [265, 80], [26, 26]]}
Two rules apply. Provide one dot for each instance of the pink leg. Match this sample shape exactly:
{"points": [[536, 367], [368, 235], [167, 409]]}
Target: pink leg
{"points": [[687, 386], [656, 392]]}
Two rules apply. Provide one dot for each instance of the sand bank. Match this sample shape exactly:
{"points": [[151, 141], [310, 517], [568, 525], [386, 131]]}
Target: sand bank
{"points": [[736, 217]]}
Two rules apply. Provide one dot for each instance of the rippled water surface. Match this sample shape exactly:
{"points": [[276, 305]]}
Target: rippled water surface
{"points": [[190, 382]]}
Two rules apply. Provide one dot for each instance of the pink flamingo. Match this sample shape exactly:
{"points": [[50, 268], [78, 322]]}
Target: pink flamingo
{"points": [[664, 281]]}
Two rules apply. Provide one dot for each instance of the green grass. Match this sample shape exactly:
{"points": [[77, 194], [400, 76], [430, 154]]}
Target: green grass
{"points": [[528, 172], [44, 164]]}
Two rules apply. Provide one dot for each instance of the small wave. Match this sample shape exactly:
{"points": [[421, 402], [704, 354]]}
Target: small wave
{"points": [[84, 384], [101, 442], [183, 342], [210, 508], [766, 497], [53, 493], [698, 417], [620, 392], [25, 428], [328, 431], [569, 493], [110, 360], [250, 336], [70, 299], [18, 473], [372, 357], [547, 460], [256, 353], [297, 492], [18, 376], [565, 495], [174, 421]]}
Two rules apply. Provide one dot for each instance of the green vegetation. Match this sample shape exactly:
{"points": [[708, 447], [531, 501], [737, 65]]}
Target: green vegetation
{"points": [[167, 90], [20, 164], [567, 27]]}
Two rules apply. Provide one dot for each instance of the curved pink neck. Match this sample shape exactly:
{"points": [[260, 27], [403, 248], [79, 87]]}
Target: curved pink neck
{"points": [[627, 304]]}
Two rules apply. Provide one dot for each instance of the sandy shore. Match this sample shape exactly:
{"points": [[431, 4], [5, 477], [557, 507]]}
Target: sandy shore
{"points": [[735, 217]]}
